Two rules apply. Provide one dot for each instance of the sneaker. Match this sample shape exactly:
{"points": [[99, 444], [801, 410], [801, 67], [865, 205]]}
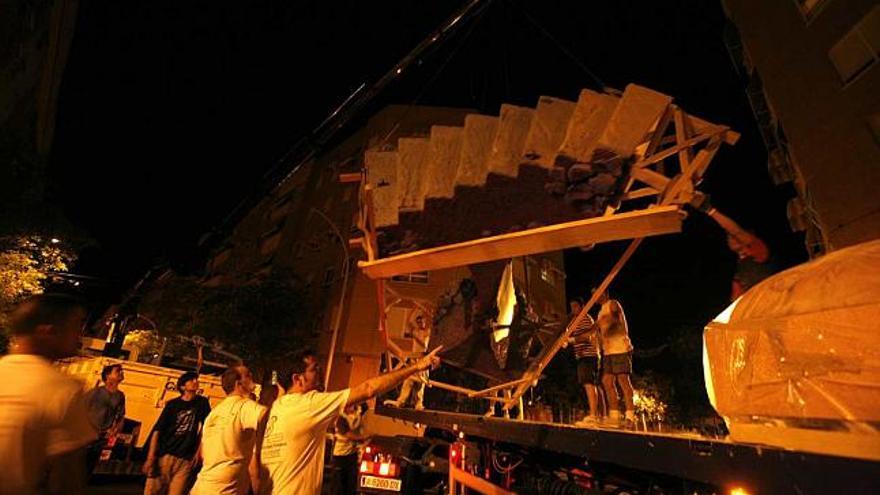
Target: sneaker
{"points": [[629, 420], [588, 421], [613, 418]]}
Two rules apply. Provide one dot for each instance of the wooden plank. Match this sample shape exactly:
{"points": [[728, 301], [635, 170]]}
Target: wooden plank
{"points": [[492, 390], [640, 193], [459, 476], [700, 126], [350, 177], [681, 135], [382, 176], [659, 130], [651, 178], [413, 152], [513, 126], [656, 157], [549, 124], [652, 221], [441, 164], [534, 371], [451, 388], [476, 144]]}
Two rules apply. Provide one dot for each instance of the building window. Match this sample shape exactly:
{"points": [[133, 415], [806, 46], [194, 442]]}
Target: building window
{"points": [[810, 8], [413, 278], [858, 50]]}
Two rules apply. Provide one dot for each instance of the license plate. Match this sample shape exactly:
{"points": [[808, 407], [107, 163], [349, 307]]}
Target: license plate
{"points": [[390, 484]]}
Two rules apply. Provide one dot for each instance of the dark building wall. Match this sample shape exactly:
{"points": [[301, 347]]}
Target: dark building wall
{"points": [[828, 124]]}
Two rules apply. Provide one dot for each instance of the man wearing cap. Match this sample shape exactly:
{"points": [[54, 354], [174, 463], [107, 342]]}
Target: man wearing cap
{"points": [[174, 444]]}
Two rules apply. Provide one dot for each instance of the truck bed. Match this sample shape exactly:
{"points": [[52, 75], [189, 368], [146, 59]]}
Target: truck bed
{"points": [[719, 462]]}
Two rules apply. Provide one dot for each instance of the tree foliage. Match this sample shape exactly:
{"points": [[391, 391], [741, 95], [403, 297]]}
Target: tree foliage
{"points": [[26, 266], [265, 322]]}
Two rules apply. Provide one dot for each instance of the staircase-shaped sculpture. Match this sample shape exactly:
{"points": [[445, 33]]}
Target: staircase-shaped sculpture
{"points": [[558, 162]]}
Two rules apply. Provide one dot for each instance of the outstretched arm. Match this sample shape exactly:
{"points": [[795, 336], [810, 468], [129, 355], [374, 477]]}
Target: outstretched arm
{"points": [[383, 383]]}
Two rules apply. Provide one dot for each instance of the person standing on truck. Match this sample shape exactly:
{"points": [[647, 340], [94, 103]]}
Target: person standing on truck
{"points": [[754, 261], [230, 440], [293, 448], [616, 360], [585, 340], [44, 422], [106, 410], [174, 443]]}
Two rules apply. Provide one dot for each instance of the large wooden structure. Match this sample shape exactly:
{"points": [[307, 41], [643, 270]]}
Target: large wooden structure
{"points": [[636, 141]]}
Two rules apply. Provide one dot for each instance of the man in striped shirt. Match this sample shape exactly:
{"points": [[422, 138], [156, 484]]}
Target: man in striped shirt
{"points": [[586, 343]]}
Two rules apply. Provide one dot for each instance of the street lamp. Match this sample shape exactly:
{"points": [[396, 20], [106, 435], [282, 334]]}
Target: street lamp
{"points": [[338, 317]]}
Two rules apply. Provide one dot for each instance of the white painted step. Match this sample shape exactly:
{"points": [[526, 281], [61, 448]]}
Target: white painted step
{"points": [[507, 149], [476, 144], [551, 119], [589, 119], [442, 162], [382, 175], [635, 115], [412, 153]]}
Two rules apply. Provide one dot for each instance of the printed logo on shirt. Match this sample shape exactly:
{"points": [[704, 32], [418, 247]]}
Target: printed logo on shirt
{"points": [[185, 422]]}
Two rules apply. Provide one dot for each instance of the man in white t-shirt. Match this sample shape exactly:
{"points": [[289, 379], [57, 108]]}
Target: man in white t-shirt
{"points": [[44, 424], [293, 447], [229, 439]]}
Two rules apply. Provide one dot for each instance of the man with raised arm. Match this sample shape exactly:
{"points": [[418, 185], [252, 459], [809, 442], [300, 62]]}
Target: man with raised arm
{"points": [[293, 447]]}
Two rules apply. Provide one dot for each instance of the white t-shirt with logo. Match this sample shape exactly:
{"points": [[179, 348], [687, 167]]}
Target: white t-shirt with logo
{"points": [[293, 448], [42, 414], [228, 440]]}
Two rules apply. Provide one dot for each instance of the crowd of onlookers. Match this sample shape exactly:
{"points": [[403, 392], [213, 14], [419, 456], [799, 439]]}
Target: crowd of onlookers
{"points": [[51, 434]]}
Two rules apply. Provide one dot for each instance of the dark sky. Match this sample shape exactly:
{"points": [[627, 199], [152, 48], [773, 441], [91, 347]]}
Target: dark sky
{"points": [[170, 112]]}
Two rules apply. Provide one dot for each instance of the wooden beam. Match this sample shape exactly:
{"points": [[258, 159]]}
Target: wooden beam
{"points": [[675, 149], [537, 367], [656, 180], [451, 388], [681, 135], [640, 193], [503, 386], [350, 177], [641, 223], [462, 477]]}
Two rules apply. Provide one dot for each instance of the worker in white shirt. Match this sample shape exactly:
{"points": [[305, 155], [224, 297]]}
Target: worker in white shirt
{"points": [[293, 448], [230, 439], [44, 424]]}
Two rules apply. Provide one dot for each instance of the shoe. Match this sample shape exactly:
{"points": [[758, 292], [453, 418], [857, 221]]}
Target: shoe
{"points": [[588, 421], [613, 419], [629, 420]]}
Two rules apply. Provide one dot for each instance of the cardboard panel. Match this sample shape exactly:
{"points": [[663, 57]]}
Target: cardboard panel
{"points": [[547, 132], [442, 162], [507, 149], [382, 175], [412, 153], [476, 144]]}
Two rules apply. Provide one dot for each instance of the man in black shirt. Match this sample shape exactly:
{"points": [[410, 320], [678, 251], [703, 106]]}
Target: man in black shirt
{"points": [[174, 446]]}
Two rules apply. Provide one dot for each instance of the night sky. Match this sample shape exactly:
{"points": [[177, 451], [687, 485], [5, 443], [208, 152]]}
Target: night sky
{"points": [[170, 113]]}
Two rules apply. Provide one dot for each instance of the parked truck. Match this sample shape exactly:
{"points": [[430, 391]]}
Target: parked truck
{"points": [[792, 366]]}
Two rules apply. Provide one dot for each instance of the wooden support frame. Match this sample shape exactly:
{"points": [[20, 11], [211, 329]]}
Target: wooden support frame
{"points": [[694, 144]]}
